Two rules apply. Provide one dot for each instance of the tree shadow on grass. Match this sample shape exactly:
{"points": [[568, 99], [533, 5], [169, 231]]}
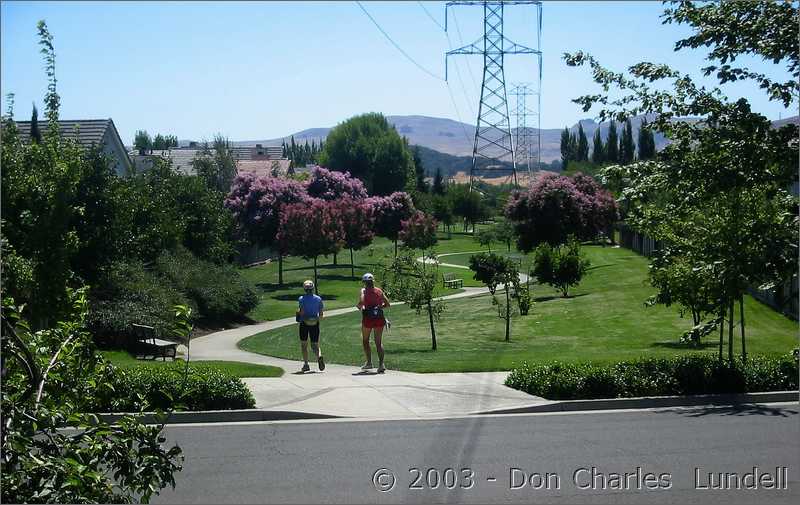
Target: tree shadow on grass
{"points": [[539, 299], [274, 286], [685, 347], [294, 296]]}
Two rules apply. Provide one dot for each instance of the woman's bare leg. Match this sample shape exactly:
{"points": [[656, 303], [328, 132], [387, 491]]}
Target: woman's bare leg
{"points": [[379, 344], [365, 342]]}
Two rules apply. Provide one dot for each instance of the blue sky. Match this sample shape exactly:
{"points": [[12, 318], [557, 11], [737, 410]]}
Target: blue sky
{"points": [[256, 70]]}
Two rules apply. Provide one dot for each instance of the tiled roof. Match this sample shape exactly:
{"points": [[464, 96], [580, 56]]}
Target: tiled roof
{"points": [[262, 167], [85, 131]]}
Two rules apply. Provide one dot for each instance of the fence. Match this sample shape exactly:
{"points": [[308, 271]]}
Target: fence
{"points": [[783, 299]]}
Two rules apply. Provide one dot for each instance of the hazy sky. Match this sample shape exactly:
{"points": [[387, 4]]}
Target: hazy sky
{"points": [[256, 70]]}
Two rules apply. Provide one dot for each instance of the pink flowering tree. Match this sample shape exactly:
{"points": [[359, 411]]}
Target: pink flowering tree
{"points": [[310, 230], [330, 185], [390, 212], [548, 212], [419, 231], [357, 221], [603, 211], [333, 186], [257, 203]]}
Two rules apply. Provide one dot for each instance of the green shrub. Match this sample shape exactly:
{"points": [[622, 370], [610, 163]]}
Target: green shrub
{"points": [[219, 291], [167, 387], [682, 375], [561, 267], [129, 294]]}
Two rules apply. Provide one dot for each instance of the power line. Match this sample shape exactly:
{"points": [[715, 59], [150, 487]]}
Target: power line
{"points": [[408, 57], [431, 16], [461, 41]]}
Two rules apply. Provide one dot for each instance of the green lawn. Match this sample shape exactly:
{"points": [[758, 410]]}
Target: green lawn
{"points": [[604, 320], [337, 288], [123, 359]]}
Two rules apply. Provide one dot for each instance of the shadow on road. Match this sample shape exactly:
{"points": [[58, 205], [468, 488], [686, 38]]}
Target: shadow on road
{"points": [[733, 410]]}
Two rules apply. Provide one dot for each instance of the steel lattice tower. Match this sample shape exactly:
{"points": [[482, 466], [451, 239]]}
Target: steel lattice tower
{"points": [[527, 138], [493, 139]]}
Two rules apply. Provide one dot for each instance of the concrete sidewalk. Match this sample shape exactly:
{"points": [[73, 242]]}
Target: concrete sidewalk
{"points": [[348, 391]]}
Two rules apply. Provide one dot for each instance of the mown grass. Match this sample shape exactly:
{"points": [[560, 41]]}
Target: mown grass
{"points": [[123, 359], [604, 320], [335, 283]]}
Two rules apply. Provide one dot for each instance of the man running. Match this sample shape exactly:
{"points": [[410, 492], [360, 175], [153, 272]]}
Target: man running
{"points": [[308, 315]]}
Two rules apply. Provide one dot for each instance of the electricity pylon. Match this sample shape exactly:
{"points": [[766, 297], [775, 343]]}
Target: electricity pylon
{"points": [[528, 132], [493, 139]]}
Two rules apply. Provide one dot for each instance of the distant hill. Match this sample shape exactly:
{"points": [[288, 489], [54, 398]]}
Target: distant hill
{"points": [[448, 143]]}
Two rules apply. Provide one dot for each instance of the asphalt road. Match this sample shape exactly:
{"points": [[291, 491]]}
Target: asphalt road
{"points": [[580, 457]]}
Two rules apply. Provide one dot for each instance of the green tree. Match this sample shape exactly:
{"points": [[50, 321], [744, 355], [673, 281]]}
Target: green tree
{"points": [[560, 266], [36, 134], [142, 142], [371, 149], [443, 211], [419, 173], [647, 143], [627, 149], [415, 282], [598, 150], [726, 177], [217, 165], [582, 147], [567, 153], [494, 270], [438, 183], [612, 143], [468, 205], [54, 449]]}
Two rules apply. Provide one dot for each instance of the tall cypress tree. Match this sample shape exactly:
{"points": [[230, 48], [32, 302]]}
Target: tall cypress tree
{"points": [[612, 149], [419, 172], [438, 182], [36, 134], [293, 150], [627, 147], [598, 154], [566, 148], [582, 148], [646, 143]]}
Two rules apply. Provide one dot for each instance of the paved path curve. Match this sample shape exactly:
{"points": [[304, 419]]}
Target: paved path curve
{"points": [[348, 391]]}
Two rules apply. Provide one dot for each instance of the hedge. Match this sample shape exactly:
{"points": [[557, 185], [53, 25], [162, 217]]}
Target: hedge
{"points": [[681, 375], [169, 387]]}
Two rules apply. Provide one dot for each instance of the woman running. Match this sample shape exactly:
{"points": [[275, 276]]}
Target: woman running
{"points": [[371, 303]]}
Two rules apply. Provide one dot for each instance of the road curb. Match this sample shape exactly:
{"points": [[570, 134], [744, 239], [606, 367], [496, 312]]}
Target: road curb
{"points": [[651, 402], [219, 416]]}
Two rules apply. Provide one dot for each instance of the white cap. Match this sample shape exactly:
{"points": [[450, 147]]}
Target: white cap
{"points": [[367, 277], [308, 284]]}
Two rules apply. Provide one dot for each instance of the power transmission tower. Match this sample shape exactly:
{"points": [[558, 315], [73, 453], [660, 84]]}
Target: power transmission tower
{"points": [[493, 139], [528, 131]]}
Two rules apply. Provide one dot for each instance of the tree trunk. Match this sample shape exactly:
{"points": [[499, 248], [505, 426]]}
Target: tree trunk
{"points": [[508, 244], [741, 322], [280, 269], [352, 266], [316, 284], [721, 332], [730, 333], [433, 329], [508, 316], [395, 248], [335, 255]]}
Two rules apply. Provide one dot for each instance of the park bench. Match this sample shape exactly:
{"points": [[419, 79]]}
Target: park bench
{"points": [[450, 280], [148, 345]]}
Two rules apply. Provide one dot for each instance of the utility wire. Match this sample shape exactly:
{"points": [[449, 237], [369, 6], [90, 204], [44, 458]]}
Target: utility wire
{"points": [[408, 57], [431, 16], [461, 41]]}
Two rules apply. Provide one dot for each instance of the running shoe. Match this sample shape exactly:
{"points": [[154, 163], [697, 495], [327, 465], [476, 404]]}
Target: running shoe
{"points": [[321, 363]]}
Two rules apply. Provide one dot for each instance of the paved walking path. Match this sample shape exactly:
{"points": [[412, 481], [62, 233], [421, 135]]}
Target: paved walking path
{"points": [[343, 390]]}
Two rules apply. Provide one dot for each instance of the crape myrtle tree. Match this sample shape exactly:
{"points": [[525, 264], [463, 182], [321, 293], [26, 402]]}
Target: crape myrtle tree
{"points": [[310, 229], [725, 176], [603, 210], [330, 185], [357, 219], [370, 149], [390, 212], [257, 203]]}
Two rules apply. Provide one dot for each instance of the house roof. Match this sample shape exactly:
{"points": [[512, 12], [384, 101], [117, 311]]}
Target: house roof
{"points": [[263, 167], [85, 131]]}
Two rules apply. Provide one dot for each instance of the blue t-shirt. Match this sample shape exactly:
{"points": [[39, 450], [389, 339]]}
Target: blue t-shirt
{"points": [[311, 305]]}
